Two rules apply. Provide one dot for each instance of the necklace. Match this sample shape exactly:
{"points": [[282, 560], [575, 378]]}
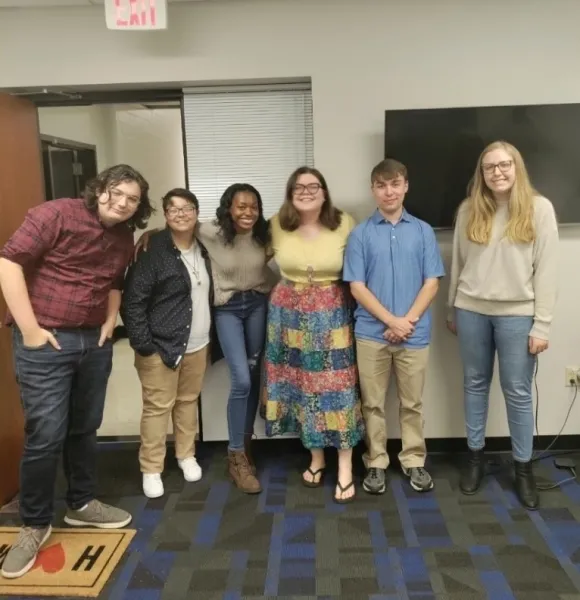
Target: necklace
{"points": [[194, 268]]}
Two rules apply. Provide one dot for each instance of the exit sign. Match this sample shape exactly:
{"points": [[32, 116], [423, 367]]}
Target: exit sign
{"points": [[136, 15]]}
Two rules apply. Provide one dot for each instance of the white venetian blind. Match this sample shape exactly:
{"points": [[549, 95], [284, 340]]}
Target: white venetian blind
{"points": [[255, 135]]}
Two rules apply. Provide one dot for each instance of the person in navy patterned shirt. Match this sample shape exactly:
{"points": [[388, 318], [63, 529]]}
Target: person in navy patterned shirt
{"points": [[393, 265], [61, 274]]}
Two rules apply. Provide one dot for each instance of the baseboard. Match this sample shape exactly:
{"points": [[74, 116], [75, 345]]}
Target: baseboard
{"points": [[434, 445]]}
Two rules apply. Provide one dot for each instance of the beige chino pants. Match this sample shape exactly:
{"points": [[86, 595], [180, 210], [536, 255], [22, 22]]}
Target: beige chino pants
{"points": [[376, 362], [169, 393]]}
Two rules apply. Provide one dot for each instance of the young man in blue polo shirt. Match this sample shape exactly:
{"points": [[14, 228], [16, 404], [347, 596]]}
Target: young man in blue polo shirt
{"points": [[393, 265]]}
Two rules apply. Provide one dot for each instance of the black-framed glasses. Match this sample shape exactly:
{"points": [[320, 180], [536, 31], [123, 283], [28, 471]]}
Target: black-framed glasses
{"points": [[311, 188], [503, 166], [184, 210]]}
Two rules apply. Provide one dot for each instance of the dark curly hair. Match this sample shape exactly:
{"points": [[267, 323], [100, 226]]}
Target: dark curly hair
{"points": [[260, 232], [111, 177]]}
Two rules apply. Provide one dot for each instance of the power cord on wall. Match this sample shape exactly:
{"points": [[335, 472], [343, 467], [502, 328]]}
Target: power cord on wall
{"points": [[559, 463]]}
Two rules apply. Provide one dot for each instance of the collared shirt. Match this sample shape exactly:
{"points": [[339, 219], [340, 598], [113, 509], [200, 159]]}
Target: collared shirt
{"points": [[393, 261], [157, 306], [70, 262]]}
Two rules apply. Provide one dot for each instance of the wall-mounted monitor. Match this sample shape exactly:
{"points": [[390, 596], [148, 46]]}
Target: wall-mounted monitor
{"points": [[440, 148]]}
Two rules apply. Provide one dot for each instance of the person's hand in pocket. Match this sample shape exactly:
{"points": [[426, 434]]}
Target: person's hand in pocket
{"points": [[38, 338]]}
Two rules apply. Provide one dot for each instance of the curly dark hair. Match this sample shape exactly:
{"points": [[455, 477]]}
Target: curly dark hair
{"points": [[330, 216], [261, 230], [113, 176]]}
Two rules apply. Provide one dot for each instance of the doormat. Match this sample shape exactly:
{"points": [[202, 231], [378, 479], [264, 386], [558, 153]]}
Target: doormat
{"points": [[73, 562]]}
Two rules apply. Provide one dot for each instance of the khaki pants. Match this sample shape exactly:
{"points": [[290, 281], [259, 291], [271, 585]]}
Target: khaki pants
{"points": [[375, 362], [169, 393]]}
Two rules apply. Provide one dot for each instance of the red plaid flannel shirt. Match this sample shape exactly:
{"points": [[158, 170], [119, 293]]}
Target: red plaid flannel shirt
{"points": [[70, 261]]}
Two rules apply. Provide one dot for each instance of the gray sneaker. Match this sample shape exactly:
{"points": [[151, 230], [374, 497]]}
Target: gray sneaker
{"points": [[419, 479], [375, 481], [97, 514], [21, 557]]}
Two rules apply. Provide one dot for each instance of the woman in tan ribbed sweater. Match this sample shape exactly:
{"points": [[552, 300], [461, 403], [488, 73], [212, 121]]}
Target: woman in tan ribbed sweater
{"points": [[501, 298], [237, 242]]}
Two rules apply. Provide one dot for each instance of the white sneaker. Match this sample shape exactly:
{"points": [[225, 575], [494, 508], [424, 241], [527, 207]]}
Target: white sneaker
{"points": [[191, 470], [152, 485]]}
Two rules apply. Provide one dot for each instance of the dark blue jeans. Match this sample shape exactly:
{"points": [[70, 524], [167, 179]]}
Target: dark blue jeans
{"points": [[63, 396], [241, 329]]}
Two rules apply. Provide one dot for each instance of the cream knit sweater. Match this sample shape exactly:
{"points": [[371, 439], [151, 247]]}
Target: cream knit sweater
{"points": [[503, 278]]}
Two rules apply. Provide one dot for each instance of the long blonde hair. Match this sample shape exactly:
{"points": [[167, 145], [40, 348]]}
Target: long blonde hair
{"points": [[482, 205]]}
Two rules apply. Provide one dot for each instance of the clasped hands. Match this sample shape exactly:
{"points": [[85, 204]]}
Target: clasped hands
{"points": [[400, 329]]}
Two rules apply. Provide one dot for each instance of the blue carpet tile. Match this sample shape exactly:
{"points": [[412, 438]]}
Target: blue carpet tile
{"points": [[207, 541]]}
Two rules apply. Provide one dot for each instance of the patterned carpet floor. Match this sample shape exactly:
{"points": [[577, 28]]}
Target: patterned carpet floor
{"points": [[207, 541]]}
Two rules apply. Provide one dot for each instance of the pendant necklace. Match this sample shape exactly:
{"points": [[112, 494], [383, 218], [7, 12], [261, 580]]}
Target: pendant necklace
{"points": [[194, 269]]}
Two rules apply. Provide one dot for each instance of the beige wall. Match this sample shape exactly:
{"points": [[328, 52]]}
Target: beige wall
{"points": [[363, 56]]}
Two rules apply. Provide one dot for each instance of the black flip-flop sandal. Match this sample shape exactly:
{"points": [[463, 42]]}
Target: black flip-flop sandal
{"points": [[314, 484], [342, 490]]}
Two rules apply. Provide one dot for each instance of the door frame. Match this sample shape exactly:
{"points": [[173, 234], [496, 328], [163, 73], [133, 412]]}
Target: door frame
{"points": [[65, 144]]}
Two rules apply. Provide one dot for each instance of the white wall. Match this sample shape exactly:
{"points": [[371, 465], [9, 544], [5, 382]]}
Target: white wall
{"points": [[364, 56], [86, 124], [151, 142]]}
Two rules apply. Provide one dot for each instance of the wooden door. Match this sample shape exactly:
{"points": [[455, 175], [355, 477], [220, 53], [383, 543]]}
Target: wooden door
{"points": [[21, 188]]}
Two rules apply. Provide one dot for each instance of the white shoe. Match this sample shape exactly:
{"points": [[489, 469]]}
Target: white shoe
{"points": [[191, 470], [152, 485]]}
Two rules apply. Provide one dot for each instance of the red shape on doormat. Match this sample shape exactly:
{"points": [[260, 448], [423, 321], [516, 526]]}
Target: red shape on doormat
{"points": [[51, 559]]}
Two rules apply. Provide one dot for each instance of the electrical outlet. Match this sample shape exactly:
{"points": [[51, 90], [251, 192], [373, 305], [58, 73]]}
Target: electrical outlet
{"points": [[572, 375]]}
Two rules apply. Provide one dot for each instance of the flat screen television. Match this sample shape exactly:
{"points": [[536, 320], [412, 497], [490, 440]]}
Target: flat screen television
{"points": [[440, 147]]}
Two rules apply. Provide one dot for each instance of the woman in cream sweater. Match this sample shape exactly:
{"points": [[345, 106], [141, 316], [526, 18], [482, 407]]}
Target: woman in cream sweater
{"points": [[501, 298]]}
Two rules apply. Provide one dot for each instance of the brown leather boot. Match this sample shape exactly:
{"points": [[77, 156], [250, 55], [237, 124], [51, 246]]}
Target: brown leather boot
{"points": [[241, 474], [248, 449]]}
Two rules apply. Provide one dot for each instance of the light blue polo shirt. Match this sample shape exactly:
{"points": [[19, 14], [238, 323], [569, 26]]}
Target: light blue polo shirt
{"points": [[393, 261]]}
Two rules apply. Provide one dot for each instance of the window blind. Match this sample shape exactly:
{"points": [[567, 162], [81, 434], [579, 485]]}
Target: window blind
{"points": [[256, 136]]}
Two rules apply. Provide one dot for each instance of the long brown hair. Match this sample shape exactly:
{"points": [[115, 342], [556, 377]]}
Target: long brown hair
{"points": [[482, 205], [113, 176], [289, 218]]}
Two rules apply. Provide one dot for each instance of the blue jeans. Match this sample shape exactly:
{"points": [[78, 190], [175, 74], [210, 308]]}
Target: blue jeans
{"points": [[63, 396], [479, 338], [241, 330]]}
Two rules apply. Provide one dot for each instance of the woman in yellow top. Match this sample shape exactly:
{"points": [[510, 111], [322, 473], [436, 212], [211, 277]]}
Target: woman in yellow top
{"points": [[310, 363]]}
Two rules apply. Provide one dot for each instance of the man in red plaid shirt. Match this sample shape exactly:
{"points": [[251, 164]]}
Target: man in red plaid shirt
{"points": [[61, 274]]}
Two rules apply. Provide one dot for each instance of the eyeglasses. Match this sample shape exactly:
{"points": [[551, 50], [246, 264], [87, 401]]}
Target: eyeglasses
{"points": [[184, 210], [503, 166], [311, 188], [117, 195]]}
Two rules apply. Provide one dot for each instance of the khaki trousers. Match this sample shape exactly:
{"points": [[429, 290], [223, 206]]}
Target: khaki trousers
{"points": [[375, 363], [169, 393]]}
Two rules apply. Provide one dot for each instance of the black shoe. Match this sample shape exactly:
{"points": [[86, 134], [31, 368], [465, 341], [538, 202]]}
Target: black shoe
{"points": [[526, 485], [375, 481], [473, 473]]}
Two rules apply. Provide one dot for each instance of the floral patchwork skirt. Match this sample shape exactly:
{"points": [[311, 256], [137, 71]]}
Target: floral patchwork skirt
{"points": [[310, 366]]}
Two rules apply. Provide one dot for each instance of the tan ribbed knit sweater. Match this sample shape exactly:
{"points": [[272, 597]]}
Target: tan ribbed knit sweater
{"points": [[235, 268], [503, 278]]}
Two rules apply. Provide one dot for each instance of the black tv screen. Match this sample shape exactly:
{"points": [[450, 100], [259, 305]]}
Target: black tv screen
{"points": [[440, 148]]}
